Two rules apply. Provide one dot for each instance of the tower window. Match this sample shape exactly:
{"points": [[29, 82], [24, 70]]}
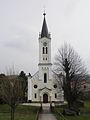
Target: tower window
{"points": [[43, 50], [46, 58], [55, 95], [35, 95], [45, 78], [46, 50]]}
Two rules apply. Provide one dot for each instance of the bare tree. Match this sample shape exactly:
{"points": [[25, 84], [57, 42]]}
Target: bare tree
{"points": [[11, 90], [68, 62]]}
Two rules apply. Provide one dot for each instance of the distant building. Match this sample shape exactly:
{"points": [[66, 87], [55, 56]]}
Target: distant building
{"points": [[43, 85], [86, 87]]}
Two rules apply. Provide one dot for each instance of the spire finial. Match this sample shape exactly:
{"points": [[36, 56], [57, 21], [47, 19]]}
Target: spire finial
{"points": [[44, 13], [44, 10]]}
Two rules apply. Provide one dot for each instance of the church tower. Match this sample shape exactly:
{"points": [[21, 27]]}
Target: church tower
{"points": [[43, 85], [44, 53]]}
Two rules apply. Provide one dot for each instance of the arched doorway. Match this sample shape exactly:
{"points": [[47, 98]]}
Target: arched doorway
{"points": [[45, 98]]}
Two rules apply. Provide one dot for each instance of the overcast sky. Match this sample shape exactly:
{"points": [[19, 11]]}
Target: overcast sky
{"points": [[20, 24]]}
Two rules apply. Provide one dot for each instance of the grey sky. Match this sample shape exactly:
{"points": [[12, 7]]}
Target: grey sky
{"points": [[20, 24]]}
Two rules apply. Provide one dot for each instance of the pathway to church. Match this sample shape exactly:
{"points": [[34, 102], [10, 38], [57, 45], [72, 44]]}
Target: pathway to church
{"points": [[46, 113]]}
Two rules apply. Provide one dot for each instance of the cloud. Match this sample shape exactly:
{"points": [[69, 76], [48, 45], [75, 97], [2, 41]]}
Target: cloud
{"points": [[19, 38], [20, 22]]}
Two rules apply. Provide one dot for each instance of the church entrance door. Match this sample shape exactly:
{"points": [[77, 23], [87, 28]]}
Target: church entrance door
{"points": [[45, 98]]}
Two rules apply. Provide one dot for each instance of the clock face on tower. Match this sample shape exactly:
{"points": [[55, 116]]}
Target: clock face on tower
{"points": [[44, 44]]}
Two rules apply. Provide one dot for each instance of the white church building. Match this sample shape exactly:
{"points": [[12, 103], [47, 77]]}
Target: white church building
{"points": [[44, 85]]}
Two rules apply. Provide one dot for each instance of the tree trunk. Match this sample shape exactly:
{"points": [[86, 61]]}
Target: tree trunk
{"points": [[12, 113], [69, 104]]}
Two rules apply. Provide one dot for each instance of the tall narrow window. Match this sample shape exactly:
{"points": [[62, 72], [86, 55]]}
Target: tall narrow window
{"points": [[43, 50], [55, 95], [45, 78], [46, 50], [35, 95]]}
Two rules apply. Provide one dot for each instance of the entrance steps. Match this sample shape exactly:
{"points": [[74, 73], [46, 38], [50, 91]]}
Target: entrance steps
{"points": [[46, 113], [47, 104]]}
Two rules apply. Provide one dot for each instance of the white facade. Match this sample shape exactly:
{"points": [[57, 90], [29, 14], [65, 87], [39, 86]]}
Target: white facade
{"points": [[44, 85]]}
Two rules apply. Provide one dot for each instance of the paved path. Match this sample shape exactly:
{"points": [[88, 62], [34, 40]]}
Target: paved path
{"points": [[46, 113]]}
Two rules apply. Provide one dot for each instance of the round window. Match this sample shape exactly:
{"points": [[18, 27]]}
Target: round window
{"points": [[55, 86], [35, 86]]}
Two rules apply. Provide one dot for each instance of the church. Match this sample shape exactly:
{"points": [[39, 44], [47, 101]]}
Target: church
{"points": [[44, 85]]}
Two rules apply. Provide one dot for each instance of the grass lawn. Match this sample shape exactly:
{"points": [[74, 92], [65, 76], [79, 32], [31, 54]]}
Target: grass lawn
{"points": [[81, 117], [22, 112], [86, 109]]}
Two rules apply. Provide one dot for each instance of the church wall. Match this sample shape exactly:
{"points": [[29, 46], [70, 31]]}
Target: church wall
{"points": [[51, 93], [29, 89]]}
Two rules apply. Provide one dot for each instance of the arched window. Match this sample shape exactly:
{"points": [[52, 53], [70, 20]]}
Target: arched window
{"points": [[55, 95], [35, 95], [43, 50], [46, 50], [45, 78]]}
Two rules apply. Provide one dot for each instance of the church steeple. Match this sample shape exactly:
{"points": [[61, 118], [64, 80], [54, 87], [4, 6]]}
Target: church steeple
{"points": [[44, 31], [44, 52], [44, 45]]}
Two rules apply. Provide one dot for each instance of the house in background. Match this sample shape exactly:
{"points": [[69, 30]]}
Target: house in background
{"points": [[44, 86], [87, 88]]}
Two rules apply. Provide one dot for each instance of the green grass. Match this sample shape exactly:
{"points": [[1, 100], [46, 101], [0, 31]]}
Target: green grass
{"points": [[81, 117], [21, 113], [86, 108], [84, 116]]}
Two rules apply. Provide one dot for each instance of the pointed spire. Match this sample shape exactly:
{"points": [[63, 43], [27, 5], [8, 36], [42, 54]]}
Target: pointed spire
{"points": [[44, 31]]}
